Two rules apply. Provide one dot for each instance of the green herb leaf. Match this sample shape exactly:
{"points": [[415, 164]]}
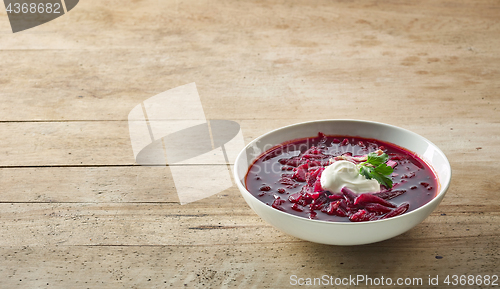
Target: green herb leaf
{"points": [[376, 168], [375, 159], [366, 171], [382, 179], [384, 169]]}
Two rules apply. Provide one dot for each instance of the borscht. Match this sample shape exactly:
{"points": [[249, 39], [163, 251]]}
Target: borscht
{"points": [[341, 179]]}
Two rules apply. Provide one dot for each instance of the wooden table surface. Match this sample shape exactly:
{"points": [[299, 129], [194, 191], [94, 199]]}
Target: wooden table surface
{"points": [[76, 211]]}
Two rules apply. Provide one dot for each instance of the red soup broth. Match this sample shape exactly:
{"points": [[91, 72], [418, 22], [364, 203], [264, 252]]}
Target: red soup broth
{"points": [[275, 179]]}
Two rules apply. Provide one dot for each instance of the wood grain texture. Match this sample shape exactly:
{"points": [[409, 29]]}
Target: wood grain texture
{"points": [[76, 211]]}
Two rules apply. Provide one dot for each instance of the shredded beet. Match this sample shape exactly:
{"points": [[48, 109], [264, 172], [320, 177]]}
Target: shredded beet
{"points": [[387, 195], [398, 211], [367, 198], [349, 195], [377, 208], [277, 204]]}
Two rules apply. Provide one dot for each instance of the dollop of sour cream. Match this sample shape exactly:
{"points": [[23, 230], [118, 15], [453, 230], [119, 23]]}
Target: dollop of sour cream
{"points": [[344, 173]]}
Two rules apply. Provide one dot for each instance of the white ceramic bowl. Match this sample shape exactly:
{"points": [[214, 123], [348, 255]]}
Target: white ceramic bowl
{"points": [[344, 233]]}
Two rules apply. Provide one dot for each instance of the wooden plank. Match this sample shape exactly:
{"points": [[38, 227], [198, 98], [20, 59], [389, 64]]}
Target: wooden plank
{"points": [[265, 259], [221, 219], [470, 186], [87, 185], [462, 83], [223, 222], [447, 61], [239, 266], [108, 143]]}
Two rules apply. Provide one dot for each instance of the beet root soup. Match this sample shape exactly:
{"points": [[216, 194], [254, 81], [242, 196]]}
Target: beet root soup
{"points": [[341, 179]]}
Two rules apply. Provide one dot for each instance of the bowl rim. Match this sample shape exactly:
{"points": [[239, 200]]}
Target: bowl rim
{"points": [[436, 200]]}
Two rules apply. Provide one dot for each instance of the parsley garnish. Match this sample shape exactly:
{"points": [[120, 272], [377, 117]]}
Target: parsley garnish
{"points": [[376, 168]]}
